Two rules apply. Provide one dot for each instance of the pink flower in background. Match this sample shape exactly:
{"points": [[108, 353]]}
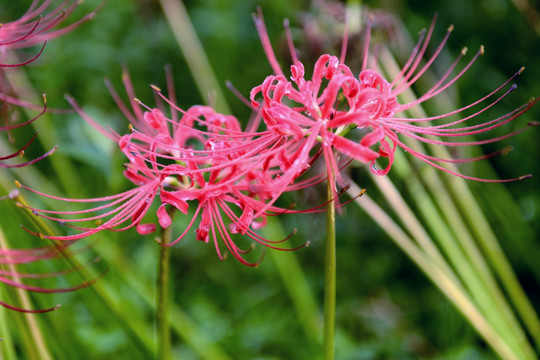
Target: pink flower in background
{"points": [[37, 25]]}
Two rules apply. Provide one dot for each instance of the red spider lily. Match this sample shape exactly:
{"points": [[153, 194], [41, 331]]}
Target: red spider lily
{"points": [[35, 28], [334, 103], [196, 156]]}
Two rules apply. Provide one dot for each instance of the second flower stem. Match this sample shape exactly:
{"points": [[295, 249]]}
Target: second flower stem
{"points": [[162, 316], [330, 275]]}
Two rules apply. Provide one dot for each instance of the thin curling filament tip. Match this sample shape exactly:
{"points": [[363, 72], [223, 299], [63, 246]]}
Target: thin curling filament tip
{"points": [[18, 184], [155, 88]]}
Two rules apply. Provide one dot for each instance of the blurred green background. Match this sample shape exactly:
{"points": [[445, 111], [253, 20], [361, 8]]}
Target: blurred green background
{"points": [[387, 309]]}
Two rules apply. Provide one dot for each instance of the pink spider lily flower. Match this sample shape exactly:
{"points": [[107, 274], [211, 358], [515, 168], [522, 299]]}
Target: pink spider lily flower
{"points": [[197, 156], [334, 104], [34, 28]]}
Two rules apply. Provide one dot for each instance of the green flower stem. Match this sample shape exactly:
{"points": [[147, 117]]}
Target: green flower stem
{"points": [[330, 276], [184, 327], [162, 311]]}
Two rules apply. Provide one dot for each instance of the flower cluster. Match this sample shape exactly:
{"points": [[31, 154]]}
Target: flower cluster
{"points": [[205, 165]]}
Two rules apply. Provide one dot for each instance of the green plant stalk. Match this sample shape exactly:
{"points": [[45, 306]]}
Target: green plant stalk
{"points": [[193, 51], [467, 271], [471, 254], [495, 254], [7, 350], [33, 326], [295, 282], [330, 275], [127, 321], [181, 323], [447, 285], [411, 222], [485, 236], [162, 311]]}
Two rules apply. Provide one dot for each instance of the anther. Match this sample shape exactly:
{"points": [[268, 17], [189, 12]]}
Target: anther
{"points": [[506, 150], [155, 88]]}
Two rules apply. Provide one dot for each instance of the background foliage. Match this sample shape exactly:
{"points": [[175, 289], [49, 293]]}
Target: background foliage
{"points": [[387, 308]]}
